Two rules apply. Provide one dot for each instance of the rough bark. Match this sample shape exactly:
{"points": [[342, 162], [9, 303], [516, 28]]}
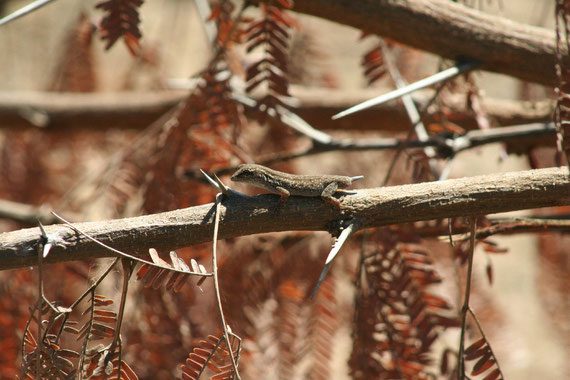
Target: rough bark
{"points": [[450, 30], [252, 215]]}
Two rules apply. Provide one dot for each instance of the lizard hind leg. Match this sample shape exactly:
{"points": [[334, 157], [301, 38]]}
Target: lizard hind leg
{"points": [[327, 194], [284, 193]]}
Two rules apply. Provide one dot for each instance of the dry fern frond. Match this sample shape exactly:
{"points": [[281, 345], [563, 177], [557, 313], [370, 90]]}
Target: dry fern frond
{"points": [[480, 352], [75, 70], [156, 277], [122, 20], [211, 357], [397, 320], [323, 324], [271, 34], [54, 362], [284, 333], [228, 31], [201, 135], [211, 105], [100, 367], [373, 65], [96, 327], [48, 359]]}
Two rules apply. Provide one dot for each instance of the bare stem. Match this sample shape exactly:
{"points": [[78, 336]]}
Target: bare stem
{"points": [[465, 308], [217, 285]]}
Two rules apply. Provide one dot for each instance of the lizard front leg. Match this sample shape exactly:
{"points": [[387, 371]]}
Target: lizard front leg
{"points": [[284, 193], [327, 194]]}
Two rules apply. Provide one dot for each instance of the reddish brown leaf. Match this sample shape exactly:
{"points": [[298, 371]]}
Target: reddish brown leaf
{"points": [[286, 3], [216, 11], [105, 319], [494, 375], [492, 247], [143, 271], [475, 346], [444, 366], [121, 20], [483, 364], [127, 371], [132, 43]]}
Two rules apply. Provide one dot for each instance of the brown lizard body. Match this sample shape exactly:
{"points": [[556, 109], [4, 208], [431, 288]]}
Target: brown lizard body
{"points": [[286, 184]]}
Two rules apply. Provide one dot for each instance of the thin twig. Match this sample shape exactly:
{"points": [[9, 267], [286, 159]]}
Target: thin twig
{"points": [[204, 366], [408, 139], [43, 250], [450, 232], [204, 10], [40, 301], [126, 255], [442, 76], [290, 119], [95, 284], [211, 181], [465, 308], [411, 109], [219, 198], [296, 122], [518, 225], [449, 145], [24, 11], [88, 332], [128, 267], [27, 331], [120, 358]]}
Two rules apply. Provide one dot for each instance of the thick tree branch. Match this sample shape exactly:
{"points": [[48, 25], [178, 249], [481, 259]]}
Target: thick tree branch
{"points": [[85, 110], [450, 30], [252, 215], [316, 105], [26, 213]]}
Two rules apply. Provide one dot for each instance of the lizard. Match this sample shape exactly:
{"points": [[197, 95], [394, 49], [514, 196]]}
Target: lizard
{"points": [[286, 184]]}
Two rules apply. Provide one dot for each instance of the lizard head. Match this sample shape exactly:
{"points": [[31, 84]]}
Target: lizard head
{"points": [[246, 173]]}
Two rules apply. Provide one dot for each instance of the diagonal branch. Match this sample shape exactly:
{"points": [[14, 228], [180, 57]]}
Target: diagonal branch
{"points": [[242, 215], [450, 30], [31, 7], [518, 139]]}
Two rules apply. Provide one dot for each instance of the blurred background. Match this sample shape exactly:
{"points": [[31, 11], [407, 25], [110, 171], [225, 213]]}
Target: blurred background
{"points": [[83, 131]]}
